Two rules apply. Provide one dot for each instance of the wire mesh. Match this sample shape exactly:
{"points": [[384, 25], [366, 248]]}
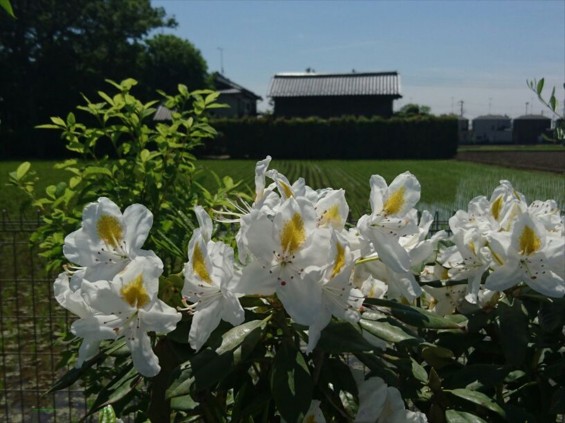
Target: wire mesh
{"points": [[31, 325]]}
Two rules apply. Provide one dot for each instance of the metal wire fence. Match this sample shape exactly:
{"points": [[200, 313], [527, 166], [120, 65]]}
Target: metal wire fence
{"points": [[31, 323]]}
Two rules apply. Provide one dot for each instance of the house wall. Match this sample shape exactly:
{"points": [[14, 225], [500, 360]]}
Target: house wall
{"points": [[529, 131], [329, 106], [239, 106], [492, 131]]}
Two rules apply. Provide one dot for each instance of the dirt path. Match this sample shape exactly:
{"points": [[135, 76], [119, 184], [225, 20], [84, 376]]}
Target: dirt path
{"points": [[549, 161]]}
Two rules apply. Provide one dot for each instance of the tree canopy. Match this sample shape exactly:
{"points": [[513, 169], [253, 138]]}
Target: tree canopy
{"points": [[52, 53]]}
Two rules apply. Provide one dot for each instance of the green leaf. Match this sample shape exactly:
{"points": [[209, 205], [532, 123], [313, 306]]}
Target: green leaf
{"points": [[453, 416], [478, 398], [291, 384], [22, 170], [388, 332], [553, 100], [419, 372], [5, 4], [209, 366], [539, 86], [183, 403], [513, 331], [415, 316], [339, 337], [124, 382], [97, 170], [437, 356], [107, 415]]}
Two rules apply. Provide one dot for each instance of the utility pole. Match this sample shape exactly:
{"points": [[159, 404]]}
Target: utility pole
{"points": [[461, 108], [527, 103], [221, 60]]}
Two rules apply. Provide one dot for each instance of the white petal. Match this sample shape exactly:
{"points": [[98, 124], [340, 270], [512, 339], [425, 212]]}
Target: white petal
{"points": [[160, 318], [138, 221], [144, 359], [205, 320]]}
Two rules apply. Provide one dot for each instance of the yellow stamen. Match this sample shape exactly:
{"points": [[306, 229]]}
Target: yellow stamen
{"points": [[199, 265], [472, 247], [310, 419], [286, 189], [395, 201], [109, 230], [529, 241], [134, 293], [293, 234], [339, 260], [496, 207], [331, 216]]}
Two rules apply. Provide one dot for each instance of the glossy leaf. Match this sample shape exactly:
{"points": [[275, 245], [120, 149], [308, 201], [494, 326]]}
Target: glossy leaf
{"points": [[453, 416], [291, 384], [478, 398], [340, 337]]}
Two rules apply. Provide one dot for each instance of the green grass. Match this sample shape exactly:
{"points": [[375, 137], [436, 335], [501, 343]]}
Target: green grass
{"points": [[512, 147], [447, 185]]}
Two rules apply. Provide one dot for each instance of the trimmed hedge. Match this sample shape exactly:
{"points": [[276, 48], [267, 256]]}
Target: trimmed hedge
{"points": [[421, 137]]}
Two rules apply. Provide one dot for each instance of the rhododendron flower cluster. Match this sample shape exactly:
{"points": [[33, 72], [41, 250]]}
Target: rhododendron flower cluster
{"points": [[296, 249]]}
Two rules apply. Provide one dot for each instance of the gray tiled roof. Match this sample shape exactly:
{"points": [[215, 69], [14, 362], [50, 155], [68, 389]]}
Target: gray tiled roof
{"points": [[312, 84]]}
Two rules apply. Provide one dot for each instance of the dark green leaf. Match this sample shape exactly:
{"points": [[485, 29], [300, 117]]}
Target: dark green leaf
{"points": [[206, 368], [513, 331], [539, 86], [415, 316], [338, 337], [453, 416], [291, 384], [478, 398], [437, 356], [388, 332]]}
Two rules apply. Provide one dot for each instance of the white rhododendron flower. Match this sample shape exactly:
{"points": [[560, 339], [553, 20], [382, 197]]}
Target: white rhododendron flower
{"points": [[380, 403], [468, 259], [339, 298], [128, 307], [209, 282], [108, 240], [391, 218], [529, 254]]}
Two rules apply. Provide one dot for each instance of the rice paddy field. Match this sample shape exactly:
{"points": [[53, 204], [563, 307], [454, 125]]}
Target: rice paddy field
{"points": [[447, 185]]}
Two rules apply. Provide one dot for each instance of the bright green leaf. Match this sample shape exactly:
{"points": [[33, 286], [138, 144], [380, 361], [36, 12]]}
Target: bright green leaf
{"points": [[107, 415], [22, 170], [5, 4]]}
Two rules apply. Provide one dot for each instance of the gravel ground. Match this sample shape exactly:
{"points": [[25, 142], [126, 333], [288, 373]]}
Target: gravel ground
{"points": [[549, 161]]}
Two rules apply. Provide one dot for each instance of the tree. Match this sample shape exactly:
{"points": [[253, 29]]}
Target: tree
{"points": [[412, 109], [52, 53], [169, 60]]}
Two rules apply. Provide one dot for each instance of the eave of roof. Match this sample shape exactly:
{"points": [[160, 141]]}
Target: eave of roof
{"points": [[335, 84]]}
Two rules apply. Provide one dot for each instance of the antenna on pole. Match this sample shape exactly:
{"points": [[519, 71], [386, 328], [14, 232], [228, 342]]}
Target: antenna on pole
{"points": [[461, 107], [221, 60], [527, 103], [489, 104]]}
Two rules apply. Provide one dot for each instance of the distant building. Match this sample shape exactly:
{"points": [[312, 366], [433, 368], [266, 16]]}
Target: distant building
{"points": [[529, 129], [492, 129], [241, 101], [462, 130], [331, 95]]}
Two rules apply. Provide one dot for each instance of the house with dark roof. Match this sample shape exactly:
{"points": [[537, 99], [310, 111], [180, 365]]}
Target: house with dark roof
{"points": [[241, 102], [336, 94]]}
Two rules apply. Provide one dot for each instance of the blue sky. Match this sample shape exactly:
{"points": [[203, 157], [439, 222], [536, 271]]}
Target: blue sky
{"points": [[481, 52]]}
